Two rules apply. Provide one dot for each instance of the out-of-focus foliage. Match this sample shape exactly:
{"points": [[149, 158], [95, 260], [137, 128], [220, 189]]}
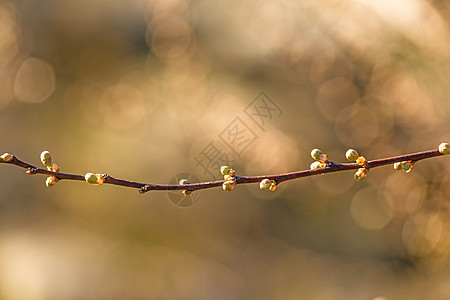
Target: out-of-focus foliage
{"points": [[138, 89]]}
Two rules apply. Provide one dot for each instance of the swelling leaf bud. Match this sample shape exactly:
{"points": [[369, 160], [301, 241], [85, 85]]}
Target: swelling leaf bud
{"points": [[228, 185], [90, 178], [265, 184], [323, 158], [316, 153], [46, 159], [407, 166], [360, 174], [444, 148], [186, 192], [7, 157], [94, 178], [273, 186], [351, 154], [225, 170], [314, 165], [51, 181], [53, 168], [317, 165], [228, 177], [361, 161]]}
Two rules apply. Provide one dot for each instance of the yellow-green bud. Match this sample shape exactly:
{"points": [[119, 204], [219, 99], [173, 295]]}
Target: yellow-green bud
{"points": [[317, 165], [316, 153], [183, 182], [186, 192], [351, 154], [232, 172], [361, 161], [398, 166], [444, 148], [407, 166], [265, 184], [46, 159], [360, 174], [94, 178], [228, 185], [51, 181], [225, 170], [7, 157], [90, 178]]}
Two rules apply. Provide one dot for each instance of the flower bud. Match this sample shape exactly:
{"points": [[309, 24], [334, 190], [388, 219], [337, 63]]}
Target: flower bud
{"points": [[360, 174], [90, 178], [94, 178], [273, 186], [228, 185], [361, 161], [407, 166], [186, 192], [351, 154], [323, 158], [7, 157], [53, 168], [51, 181], [444, 148], [316, 153], [317, 165], [314, 165], [225, 170], [265, 184], [228, 177], [46, 159], [183, 182], [398, 166]]}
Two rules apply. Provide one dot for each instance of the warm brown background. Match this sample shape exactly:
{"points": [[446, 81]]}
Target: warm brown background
{"points": [[138, 88]]}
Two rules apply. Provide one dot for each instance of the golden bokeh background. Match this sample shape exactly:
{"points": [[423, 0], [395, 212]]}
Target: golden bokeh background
{"points": [[140, 89]]}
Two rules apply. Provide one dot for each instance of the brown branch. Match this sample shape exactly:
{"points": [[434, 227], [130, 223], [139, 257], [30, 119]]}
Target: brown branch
{"points": [[278, 178]]}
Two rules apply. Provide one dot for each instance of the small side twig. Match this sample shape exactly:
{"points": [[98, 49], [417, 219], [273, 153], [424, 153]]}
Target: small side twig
{"points": [[278, 178]]}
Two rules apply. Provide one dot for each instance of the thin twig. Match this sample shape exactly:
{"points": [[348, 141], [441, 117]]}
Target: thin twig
{"points": [[145, 187]]}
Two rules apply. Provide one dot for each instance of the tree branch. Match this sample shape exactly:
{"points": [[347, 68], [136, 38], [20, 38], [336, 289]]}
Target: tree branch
{"points": [[278, 178]]}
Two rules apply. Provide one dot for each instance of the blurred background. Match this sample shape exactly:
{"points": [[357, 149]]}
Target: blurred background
{"points": [[147, 90]]}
